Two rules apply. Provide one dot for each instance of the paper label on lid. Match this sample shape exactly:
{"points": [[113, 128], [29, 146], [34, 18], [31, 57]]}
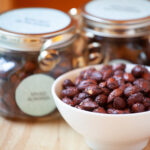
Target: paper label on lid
{"points": [[33, 95], [119, 9], [34, 20]]}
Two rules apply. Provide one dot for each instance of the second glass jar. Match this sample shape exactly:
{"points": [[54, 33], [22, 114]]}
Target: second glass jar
{"points": [[118, 31]]}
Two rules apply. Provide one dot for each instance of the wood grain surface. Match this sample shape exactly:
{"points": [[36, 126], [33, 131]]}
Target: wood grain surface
{"points": [[54, 134]]}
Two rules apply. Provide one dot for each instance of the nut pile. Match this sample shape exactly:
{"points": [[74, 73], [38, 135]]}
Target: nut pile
{"points": [[14, 68], [9, 80], [109, 90]]}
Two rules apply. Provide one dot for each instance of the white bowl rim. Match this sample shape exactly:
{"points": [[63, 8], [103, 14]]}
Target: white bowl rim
{"points": [[88, 112]]}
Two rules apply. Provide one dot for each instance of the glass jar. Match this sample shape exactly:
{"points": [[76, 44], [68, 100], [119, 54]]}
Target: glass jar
{"points": [[36, 46], [120, 30]]}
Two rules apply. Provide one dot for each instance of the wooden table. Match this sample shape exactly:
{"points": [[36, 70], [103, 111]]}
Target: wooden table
{"points": [[54, 134]]}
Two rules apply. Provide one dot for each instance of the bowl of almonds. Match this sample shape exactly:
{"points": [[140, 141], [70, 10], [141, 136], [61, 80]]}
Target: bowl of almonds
{"points": [[108, 104]]}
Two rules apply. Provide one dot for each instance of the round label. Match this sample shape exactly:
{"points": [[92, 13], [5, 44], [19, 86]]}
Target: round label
{"points": [[119, 61], [119, 9], [33, 95], [34, 20]]}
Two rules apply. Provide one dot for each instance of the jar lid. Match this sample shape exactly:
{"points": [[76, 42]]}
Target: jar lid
{"points": [[117, 18], [27, 29]]}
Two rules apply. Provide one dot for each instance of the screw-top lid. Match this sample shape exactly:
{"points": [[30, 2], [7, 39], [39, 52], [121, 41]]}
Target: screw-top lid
{"points": [[26, 29], [117, 18]]}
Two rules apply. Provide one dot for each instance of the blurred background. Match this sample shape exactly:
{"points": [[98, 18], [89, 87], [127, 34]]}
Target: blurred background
{"points": [[63, 5]]}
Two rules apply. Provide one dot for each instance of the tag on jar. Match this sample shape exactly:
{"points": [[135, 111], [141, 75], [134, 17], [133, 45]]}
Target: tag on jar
{"points": [[119, 9], [34, 20], [119, 61], [33, 95]]}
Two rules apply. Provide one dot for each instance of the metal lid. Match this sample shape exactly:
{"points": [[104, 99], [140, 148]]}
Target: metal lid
{"points": [[27, 29], [117, 18]]}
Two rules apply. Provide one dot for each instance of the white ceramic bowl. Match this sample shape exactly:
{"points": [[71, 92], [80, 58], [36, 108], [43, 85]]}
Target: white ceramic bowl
{"points": [[104, 131]]}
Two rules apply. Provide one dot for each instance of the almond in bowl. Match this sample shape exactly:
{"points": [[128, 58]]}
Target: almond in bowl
{"points": [[108, 105]]}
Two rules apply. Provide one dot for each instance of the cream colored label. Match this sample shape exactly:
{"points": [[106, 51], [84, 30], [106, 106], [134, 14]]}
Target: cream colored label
{"points": [[119, 9], [34, 20], [33, 95], [119, 61]]}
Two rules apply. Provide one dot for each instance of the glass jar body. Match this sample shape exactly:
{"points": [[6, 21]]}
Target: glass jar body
{"points": [[134, 49], [16, 67]]}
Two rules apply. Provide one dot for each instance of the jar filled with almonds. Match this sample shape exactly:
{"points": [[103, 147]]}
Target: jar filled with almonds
{"points": [[117, 30], [36, 46]]}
